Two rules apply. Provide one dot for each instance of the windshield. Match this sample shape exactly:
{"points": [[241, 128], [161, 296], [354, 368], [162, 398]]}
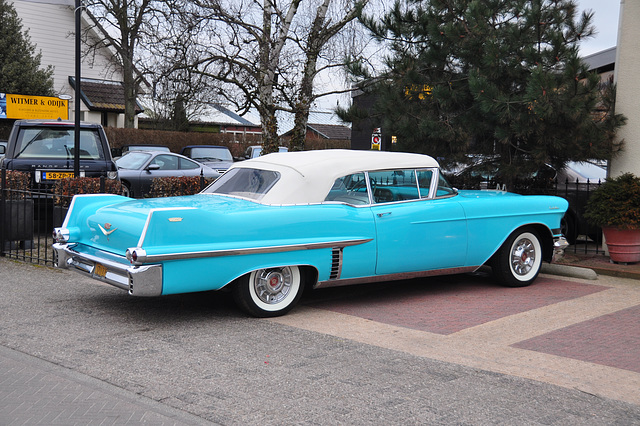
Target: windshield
{"points": [[43, 143], [444, 188], [133, 160], [587, 170], [242, 182], [211, 153], [146, 148], [258, 150]]}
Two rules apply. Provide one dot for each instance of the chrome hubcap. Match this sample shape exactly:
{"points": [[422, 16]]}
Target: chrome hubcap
{"points": [[273, 285], [523, 256]]}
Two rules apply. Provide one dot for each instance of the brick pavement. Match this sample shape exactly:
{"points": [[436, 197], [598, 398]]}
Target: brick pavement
{"points": [[574, 333], [612, 340], [454, 305]]}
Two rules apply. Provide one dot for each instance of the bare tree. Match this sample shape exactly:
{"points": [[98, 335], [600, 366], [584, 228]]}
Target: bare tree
{"points": [[126, 27], [322, 30], [265, 56]]}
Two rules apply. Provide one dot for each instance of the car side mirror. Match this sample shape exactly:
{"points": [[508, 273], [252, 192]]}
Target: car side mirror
{"points": [[2, 149], [153, 167]]}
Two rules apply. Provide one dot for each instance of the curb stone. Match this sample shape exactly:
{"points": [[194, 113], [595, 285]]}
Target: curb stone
{"points": [[569, 271]]}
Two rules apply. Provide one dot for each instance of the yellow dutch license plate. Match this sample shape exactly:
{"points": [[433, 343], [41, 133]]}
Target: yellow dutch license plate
{"points": [[100, 270], [56, 175]]}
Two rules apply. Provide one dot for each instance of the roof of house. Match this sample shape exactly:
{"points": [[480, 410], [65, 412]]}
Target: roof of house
{"points": [[102, 95], [285, 120], [219, 114], [600, 60], [331, 131]]}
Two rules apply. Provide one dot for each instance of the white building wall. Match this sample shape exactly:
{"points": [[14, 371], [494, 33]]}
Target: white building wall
{"points": [[628, 90], [51, 28]]}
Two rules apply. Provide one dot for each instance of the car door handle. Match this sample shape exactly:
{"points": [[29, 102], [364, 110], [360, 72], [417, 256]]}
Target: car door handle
{"points": [[384, 214]]}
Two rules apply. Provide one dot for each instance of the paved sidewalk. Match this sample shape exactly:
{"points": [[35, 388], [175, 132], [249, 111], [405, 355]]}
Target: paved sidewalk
{"points": [[422, 353], [37, 392]]}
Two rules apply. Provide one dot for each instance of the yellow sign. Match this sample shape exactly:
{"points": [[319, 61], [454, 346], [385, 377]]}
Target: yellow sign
{"points": [[423, 91], [33, 107]]}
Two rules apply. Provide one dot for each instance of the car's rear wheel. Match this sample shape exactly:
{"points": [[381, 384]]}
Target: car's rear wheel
{"points": [[517, 263], [269, 292]]}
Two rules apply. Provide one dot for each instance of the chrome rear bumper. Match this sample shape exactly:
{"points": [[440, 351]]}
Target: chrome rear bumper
{"points": [[145, 280]]}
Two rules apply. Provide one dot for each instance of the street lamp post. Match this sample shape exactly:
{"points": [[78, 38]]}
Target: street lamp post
{"points": [[76, 151]]}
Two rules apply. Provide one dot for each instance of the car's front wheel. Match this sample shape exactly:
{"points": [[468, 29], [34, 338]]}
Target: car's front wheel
{"points": [[568, 227], [517, 263], [269, 292], [126, 190]]}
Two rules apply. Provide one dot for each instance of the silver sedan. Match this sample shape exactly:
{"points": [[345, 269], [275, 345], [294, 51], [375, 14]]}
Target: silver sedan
{"points": [[137, 169]]}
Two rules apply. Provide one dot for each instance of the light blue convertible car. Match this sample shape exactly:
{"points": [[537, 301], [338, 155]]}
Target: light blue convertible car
{"points": [[274, 225]]}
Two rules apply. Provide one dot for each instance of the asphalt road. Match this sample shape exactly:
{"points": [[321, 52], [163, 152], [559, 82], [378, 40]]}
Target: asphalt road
{"points": [[448, 350]]}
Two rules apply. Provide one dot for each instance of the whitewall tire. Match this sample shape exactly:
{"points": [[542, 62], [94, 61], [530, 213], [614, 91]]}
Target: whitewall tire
{"points": [[269, 292], [517, 263]]}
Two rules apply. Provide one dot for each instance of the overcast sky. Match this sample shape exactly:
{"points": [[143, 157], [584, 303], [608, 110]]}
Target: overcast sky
{"points": [[606, 15]]}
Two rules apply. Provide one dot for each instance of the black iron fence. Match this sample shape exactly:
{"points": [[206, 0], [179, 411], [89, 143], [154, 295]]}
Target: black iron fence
{"points": [[29, 212], [26, 222]]}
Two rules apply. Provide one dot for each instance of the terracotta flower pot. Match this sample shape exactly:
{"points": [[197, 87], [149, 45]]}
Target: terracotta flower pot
{"points": [[623, 244]]}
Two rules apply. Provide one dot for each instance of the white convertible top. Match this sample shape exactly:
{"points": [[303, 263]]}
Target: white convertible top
{"points": [[307, 176]]}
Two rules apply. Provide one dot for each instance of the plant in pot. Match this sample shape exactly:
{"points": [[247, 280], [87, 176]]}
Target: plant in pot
{"points": [[615, 206]]}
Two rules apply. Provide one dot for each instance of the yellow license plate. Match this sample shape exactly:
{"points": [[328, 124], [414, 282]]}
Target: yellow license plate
{"points": [[56, 175], [100, 270]]}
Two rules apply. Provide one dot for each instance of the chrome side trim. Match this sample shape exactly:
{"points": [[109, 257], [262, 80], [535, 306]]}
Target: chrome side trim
{"points": [[252, 250], [136, 280], [394, 277]]}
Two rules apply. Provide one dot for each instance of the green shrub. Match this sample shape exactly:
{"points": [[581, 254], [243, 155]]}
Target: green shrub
{"points": [[175, 186], [65, 189], [18, 185], [616, 203]]}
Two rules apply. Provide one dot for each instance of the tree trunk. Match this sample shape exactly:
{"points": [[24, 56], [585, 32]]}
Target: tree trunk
{"points": [[270, 138], [130, 94], [299, 131]]}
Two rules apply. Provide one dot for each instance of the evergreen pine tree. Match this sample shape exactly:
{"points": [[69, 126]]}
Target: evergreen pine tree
{"points": [[20, 71], [496, 77]]}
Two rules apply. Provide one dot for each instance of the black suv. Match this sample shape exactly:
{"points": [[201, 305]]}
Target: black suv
{"points": [[46, 150]]}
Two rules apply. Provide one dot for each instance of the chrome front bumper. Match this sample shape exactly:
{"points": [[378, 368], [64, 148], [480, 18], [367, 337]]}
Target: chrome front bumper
{"points": [[145, 280], [559, 244]]}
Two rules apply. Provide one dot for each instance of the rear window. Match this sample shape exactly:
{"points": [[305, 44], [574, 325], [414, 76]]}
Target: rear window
{"points": [[242, 182], [58, 143], [209, 153]]}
